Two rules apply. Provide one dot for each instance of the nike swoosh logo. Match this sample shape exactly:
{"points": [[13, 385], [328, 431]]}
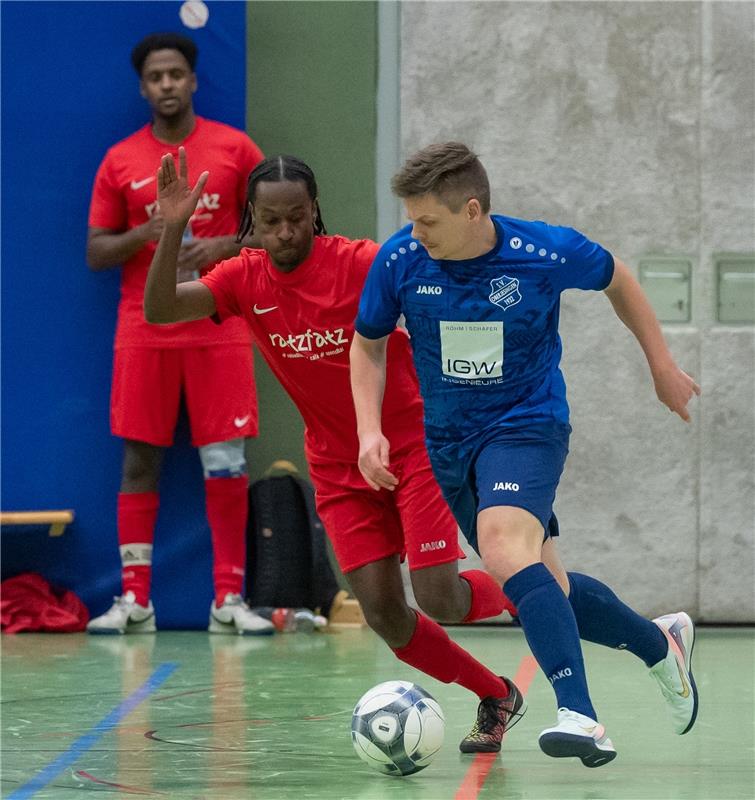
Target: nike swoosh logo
{"points": [[263, 310], [138, 184], [239, 422], [685, 685]]}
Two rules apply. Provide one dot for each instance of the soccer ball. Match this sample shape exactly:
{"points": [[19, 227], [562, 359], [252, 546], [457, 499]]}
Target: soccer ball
{"points": [[397, 728]]}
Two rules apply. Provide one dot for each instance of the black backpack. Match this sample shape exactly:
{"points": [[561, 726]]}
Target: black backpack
{"points": [[287, 563]]}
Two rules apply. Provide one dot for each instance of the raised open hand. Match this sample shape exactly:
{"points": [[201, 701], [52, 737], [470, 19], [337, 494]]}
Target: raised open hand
{"points": [[176, 200]]}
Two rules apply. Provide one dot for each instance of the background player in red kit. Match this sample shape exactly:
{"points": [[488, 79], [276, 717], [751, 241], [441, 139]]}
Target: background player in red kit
{"points": [[211, 365], [299, 296]]}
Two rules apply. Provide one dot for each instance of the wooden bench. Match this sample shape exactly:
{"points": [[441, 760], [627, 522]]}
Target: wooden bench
{"points": [[346, 612], [57, 520]]}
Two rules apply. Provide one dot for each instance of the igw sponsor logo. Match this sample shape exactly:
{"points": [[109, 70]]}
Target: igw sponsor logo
{"points": [[463, 366], [424, 289], [505, 486], [427, 547], [562, 673], [310, 340]]}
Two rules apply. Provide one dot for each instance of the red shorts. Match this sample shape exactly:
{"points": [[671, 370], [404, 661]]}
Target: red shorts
{"points": [[217, 384], [365, 526]]}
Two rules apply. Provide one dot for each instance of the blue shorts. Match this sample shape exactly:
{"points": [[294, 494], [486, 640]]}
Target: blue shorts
{"points": [[510, 467]]}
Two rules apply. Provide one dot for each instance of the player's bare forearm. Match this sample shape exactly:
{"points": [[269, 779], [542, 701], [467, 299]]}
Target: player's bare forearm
{"points": [[199, 253], [634, 310], [673, 386], [367, 358], [233, 248], [367, 387], [107, 249], [229, 247], [160, 304], [166, 302]]}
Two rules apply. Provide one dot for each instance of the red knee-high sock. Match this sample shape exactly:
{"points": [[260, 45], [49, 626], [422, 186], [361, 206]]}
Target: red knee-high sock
{"points": [[136, 530], [488, 599], [431, 651], [227, 510]]}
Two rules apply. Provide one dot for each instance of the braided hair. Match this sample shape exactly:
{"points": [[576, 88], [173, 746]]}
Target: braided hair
{"points": [[278, 169]]}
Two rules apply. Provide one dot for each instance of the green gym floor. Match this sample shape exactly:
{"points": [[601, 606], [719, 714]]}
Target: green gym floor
{"points": [[190, 715]]}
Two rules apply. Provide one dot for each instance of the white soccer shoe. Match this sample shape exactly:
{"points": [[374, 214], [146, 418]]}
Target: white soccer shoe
{"points": [[674, 673], [576, 735], [235, 616], [125, 616]]}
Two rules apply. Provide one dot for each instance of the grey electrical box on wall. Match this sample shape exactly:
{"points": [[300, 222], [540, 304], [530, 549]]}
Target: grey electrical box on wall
{"points": [[666, 281], [736, 287]]}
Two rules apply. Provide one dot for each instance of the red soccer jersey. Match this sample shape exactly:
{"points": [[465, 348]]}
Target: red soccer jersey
{"points": [[303, 323], [124, 196]]}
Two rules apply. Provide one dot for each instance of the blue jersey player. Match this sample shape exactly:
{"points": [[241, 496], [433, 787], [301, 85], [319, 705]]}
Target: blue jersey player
{"points": [[480, 297]]}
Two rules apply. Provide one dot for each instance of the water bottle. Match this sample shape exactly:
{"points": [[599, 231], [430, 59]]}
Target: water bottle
{"points": [[184, 275], [284, 620], [289, 620], [305, 620]]}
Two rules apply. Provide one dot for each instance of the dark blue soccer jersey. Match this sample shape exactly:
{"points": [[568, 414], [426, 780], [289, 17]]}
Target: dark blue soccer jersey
{"points": [[484, 331]]}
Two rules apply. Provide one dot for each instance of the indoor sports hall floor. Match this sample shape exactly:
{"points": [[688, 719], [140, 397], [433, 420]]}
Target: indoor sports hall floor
{"points": [[189, 715]]}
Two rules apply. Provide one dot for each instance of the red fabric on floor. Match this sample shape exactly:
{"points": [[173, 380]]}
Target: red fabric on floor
{"points": [[29, 603]]}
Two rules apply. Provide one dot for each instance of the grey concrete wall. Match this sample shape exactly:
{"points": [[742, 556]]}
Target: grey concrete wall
{"points": [[633, 122]]}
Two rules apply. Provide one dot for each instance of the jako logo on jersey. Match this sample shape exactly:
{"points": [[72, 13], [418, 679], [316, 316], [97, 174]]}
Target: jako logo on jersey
{"points": [[311, 340], [423, 289], [460, 366], [426, 547], [504, 291], [562, 673], [500, 486]]}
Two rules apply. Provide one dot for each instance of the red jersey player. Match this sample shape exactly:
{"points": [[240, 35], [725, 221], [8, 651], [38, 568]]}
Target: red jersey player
{"points": [[211, 365], [299, 296]]}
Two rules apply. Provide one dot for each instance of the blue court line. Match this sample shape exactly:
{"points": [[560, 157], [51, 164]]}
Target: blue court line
{"points": [[85, 742]]}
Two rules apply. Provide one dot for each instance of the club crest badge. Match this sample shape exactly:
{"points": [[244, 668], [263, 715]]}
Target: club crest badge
{"points": [[504, 291]]}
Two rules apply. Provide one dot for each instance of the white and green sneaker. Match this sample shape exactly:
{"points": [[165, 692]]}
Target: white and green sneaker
{"points": [[674, 673], [235, 616], [578, 736], [125, 616]]}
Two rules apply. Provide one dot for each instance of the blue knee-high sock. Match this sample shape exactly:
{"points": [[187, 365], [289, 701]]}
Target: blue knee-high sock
{"points": [[602, 618], [551, 630]]}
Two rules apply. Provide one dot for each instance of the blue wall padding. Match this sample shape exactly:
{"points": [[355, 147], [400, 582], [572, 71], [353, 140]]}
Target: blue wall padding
{"points": [[69, 92]]}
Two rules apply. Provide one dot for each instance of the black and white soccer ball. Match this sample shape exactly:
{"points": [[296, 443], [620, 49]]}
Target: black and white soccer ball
{"points": [[397, 728]]}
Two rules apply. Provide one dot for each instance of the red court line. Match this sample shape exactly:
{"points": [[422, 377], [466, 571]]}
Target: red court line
{"points": [[483, 762], [120, 786]]}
